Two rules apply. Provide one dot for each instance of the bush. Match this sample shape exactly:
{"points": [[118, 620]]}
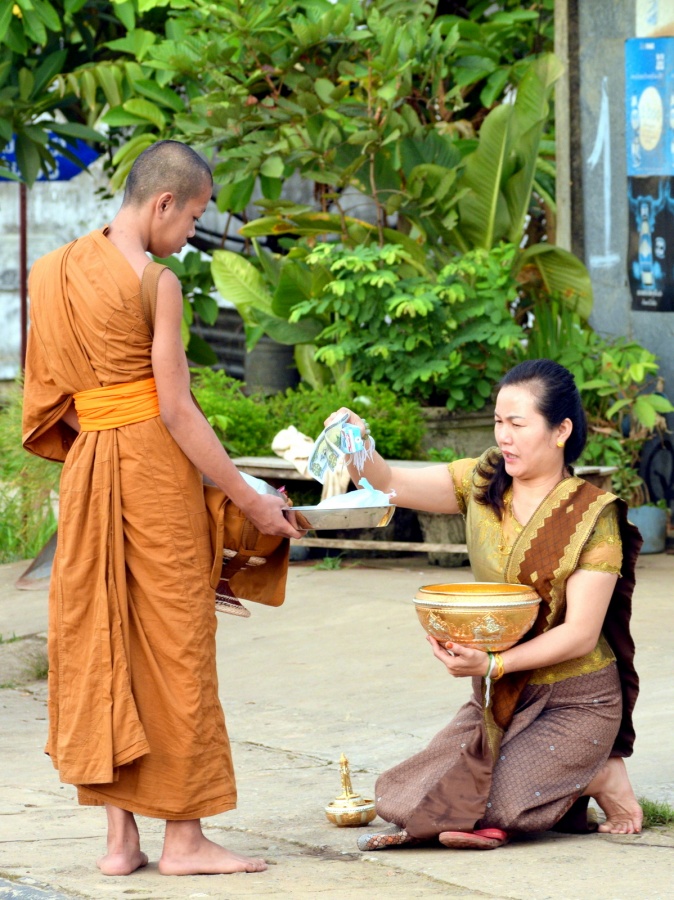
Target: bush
{"points": [[241, 421], [247, 424], [397, 424], [27, 489]]}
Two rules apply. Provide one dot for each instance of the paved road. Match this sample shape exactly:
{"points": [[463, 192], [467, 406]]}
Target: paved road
{"points": [[342, 667]]}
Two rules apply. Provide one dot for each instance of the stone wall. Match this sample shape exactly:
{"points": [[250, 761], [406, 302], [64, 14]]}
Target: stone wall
{"points": [[603, 26]]}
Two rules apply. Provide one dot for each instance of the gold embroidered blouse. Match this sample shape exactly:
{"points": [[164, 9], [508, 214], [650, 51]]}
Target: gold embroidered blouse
{"points": [[495, 538]]}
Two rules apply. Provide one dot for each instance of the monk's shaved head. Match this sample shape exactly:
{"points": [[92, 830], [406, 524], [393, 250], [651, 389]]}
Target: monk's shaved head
{"points": [[167, 166]]}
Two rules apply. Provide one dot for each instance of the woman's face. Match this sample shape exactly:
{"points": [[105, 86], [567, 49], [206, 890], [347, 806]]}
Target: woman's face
{"points": [[528, 444]]}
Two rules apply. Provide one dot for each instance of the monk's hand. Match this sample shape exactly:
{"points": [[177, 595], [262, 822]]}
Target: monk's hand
{"points": [[459, 661], [265, 511], [353, 419]]}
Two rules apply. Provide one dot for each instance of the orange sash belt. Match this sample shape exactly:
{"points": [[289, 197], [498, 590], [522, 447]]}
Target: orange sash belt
{"points": [[101, 409]]}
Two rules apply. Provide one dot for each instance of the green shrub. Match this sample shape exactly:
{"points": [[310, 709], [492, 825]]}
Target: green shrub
{"points": [[27, 489], [242, 422], [438, 338], [397, 424], [247, 424], [444, 454]]}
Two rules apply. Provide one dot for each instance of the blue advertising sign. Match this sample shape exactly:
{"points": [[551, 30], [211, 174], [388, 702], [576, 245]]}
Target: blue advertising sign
{"points": [[649, 68], [649, 98], [65, 169]]}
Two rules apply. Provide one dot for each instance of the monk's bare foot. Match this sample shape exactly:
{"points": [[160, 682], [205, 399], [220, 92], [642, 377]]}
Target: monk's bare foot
{"points": [[613, 792], [121, 863], [124, 855], [187, 851]]}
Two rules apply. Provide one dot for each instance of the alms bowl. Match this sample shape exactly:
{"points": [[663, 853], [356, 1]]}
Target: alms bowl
{"points": [[319, 518], [483, 615]]}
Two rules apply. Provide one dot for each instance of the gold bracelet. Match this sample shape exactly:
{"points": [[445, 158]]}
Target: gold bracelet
{"points": [[498, 662]]}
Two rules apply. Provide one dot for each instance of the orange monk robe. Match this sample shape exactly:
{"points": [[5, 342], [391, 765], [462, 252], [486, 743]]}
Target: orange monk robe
{"points": [[134, 714]]}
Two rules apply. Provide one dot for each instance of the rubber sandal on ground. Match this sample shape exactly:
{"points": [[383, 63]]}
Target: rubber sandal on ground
{"points": [[380, 840], [483, 839]]}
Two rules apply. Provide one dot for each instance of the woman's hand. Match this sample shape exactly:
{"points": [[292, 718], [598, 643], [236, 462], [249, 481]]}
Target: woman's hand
{"points": [[460, 661], [352, 420]]}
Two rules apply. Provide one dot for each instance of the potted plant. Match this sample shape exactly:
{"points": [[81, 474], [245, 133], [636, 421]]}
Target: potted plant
{"points": [[626, 408]]}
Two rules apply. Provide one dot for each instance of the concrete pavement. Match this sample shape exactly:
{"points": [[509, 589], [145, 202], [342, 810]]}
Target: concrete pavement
{"points": [[341, 667]]}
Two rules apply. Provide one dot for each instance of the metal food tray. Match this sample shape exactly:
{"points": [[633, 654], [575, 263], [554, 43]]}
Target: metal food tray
{"points": [[317, 519]]}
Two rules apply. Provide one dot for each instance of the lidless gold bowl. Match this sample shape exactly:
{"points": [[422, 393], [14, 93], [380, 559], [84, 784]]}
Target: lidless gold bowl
{"points": [[483, 615]]}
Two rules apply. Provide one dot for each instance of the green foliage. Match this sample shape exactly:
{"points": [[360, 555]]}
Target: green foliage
{"points": [[627, 408], [28, 488], [620, 387], [248, 424], [399, 429], [330, 563], [42, 41], [383, 97], [242, 422], [435, 339], [194, 273], [657, 813], [444, 454]]}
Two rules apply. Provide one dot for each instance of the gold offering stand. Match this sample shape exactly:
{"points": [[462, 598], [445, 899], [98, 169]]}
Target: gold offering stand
{"points": [[349, 808]]}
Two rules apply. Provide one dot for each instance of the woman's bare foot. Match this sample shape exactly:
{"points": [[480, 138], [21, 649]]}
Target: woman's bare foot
{"points": [[613, 792], [188, 852], [124, 855]]}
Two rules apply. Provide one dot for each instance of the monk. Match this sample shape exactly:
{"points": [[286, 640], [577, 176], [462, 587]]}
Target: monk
{"points": [[134, 716]]}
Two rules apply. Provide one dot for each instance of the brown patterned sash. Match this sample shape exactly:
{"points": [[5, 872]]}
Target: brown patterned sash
{"points": [[544, 555]]}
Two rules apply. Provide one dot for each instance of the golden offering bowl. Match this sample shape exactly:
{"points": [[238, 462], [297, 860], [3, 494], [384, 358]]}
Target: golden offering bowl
{"points": [[351, 811], [482, 615]]}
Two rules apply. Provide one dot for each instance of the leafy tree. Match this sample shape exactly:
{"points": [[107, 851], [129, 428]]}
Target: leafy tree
{"points": [[41, 40]]}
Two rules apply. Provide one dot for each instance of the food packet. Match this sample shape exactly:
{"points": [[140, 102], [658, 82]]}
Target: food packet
{"points": [[365, 497]]}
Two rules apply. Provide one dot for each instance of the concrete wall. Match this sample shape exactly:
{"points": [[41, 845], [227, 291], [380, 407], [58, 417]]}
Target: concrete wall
{"points": [[57, 213], [600, 180]]}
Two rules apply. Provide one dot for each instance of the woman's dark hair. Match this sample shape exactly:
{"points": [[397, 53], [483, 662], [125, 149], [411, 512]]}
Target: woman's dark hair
{"points": [[557, 398]]}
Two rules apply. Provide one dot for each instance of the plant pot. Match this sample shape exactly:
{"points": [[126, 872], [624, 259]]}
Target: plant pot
{"points": [[270, 367], [439, 528], [652, 523], [469, 434]]}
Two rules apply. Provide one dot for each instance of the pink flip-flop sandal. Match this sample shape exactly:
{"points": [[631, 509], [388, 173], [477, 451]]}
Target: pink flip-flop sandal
{"points": [[483, 839]]}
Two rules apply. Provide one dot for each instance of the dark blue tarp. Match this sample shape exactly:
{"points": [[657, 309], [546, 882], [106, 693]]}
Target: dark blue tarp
{"points": [[65, 169]]}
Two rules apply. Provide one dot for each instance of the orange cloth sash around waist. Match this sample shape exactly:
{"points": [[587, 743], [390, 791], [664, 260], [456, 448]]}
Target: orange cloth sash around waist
{"points": [[101, 409]]}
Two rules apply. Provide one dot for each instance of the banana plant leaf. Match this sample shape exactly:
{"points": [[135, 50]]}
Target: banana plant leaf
{"points": [[314, 224], [484, 218], [314, 373], [499, 173], [238, 281], [563, 274], [531, 114], [285, 332]]}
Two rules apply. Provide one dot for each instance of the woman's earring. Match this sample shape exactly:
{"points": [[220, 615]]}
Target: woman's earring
{"points": [[560, 444]]}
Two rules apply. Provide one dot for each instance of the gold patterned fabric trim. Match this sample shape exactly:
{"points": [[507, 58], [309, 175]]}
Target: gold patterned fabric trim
{"points": [[600, 567], [597, 659]]}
